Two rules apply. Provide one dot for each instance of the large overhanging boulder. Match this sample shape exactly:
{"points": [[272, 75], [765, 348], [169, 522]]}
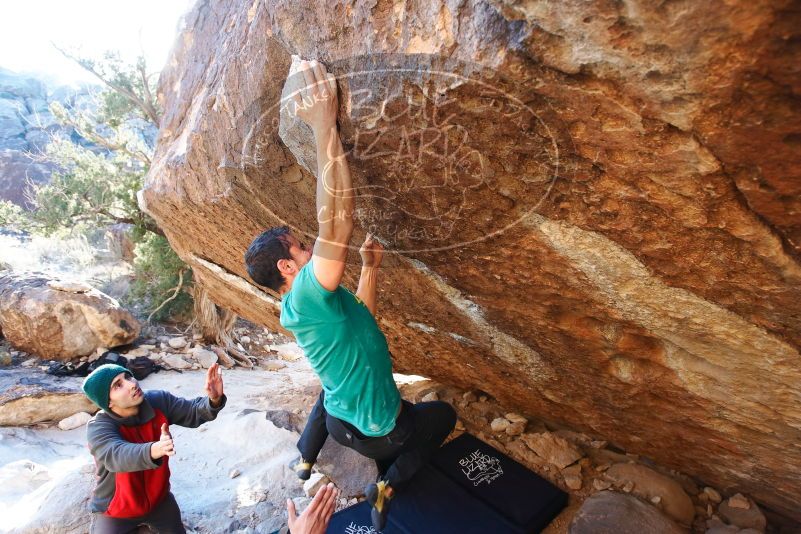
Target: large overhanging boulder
{"points": [[60, 320], [595, 205]]}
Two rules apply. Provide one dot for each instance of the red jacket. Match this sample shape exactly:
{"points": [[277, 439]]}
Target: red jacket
{"points": [[129, 482]]}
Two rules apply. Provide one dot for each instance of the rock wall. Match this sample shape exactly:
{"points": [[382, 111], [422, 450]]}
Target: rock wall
{"points": [[594, 205]]}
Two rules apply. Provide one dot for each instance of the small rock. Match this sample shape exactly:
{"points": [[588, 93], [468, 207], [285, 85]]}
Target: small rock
{"points": [[628, 486], [601, 485], [572, 476], [603, 467], [713, 494], [699, 511], [482, 398], [5, 358], [619, 513], [553, 449], [751, 517], [516, 418], [272, 365], [485, 409], [234, 473], [576, 438], [499, 425], [709, 510], [245, 340], [469, 396], [70, 286], [177, 342], [74, 421], [649, 484], [147, 346], [459, 424], [739, 501], [656, 500], [598, 444], [205, 358], [197, 337], [516, 428], [430, 397], [137, 352], [317, 481], [29, 362], [174, 361]]}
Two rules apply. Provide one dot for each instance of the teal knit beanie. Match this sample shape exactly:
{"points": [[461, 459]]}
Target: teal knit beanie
{"points": [[98, 384]]}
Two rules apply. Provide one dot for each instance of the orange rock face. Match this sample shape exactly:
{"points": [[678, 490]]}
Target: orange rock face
{"points": [[594, 206]]}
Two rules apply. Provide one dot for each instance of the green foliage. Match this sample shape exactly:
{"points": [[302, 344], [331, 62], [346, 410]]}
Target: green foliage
{"points": [[131, 87], [11, 215], [158, 270], [92, 187], [95, 185]]}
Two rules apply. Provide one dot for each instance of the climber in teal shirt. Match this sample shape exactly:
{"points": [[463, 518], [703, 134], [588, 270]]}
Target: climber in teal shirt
{"points": [[360, 406], [333, 327]]}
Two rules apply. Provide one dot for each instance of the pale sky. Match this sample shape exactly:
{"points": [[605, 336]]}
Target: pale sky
{"points": [[28, 26]]}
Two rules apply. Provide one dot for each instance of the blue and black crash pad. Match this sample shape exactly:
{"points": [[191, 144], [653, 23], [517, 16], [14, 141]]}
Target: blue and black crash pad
{"points": [[356, 520], [468, 488]]}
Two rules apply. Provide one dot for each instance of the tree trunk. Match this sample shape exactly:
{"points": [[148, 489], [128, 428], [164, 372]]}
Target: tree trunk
{"points": [[214, 323]]}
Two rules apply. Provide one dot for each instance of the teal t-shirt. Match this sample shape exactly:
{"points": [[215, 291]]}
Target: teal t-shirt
{"points": [[346, 349]]}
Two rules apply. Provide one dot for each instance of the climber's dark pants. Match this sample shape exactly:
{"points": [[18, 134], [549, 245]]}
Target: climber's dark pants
{"points": [[419, 431], [164, 519]]}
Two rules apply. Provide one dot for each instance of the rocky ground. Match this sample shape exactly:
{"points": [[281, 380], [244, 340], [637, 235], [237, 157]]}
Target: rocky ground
{"points": [[240, 460]]}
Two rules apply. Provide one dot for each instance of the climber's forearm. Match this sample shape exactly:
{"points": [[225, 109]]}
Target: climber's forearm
{"points": [[367, 291], [334, 192]]}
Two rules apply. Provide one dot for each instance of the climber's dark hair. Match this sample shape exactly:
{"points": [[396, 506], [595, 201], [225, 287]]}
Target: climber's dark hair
{"points": [[263, 255]]}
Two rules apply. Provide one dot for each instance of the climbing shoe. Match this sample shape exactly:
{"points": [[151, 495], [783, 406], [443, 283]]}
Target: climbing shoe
{"points": [[301, 467], [379, 495]]}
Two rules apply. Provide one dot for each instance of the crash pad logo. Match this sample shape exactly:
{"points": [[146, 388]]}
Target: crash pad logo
{"points": [[353, 528], [479, 467], [445, 156]]}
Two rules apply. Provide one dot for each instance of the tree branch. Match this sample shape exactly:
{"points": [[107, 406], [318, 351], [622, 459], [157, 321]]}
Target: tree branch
{"points": [[175, 292], [145, 85], [150, 227], [102, 141], [146, 107]]}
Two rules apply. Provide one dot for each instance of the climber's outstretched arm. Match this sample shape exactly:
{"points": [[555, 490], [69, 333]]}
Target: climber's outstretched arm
{"points": [[371, 251], [334, 189]]}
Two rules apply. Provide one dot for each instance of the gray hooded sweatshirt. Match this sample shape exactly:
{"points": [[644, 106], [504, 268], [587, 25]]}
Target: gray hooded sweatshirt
{"points": [[129, 482]]}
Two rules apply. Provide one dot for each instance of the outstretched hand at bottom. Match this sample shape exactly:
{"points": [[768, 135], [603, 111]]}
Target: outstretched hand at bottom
{"points": [[314, 519], [214, 384]]}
